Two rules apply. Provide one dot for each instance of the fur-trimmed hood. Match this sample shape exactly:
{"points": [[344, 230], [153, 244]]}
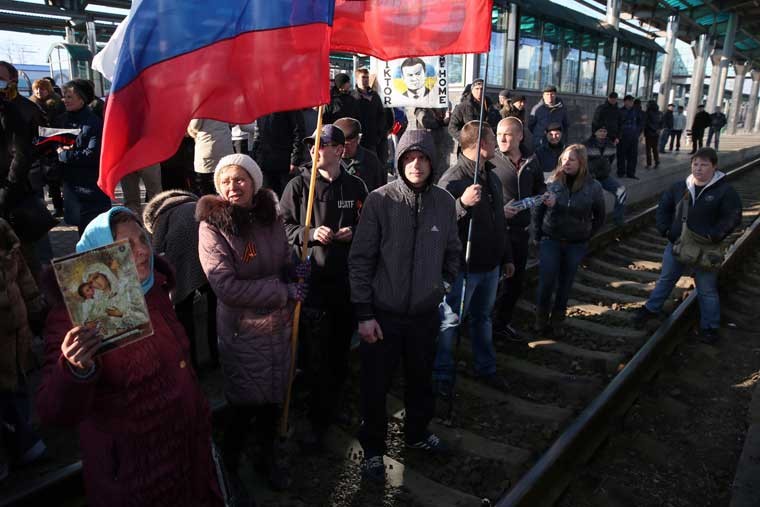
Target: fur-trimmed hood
{"points": [[229, 218], [162, 203]]}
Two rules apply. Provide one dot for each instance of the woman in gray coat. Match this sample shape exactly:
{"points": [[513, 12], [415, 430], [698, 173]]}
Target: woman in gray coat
{"points": [[245, 254]]}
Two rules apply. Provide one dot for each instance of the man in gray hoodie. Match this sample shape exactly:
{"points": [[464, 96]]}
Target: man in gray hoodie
{"points": [[404, 256]]}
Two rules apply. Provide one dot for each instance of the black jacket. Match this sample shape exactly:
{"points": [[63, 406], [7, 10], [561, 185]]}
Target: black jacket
{"points": [[367, 167], [548, 155], [543, 115], [608, 116], [337, 204], [342, 105], [15, 155], [372, 118], [519, 183], [667, 120], [600, 157], [33, 117], [715, 211], [278, 138], [465, 112], [510, 111], [575, 217], [490, 240], [718, 121], [652, 122], [702, 120], [406, 244]]}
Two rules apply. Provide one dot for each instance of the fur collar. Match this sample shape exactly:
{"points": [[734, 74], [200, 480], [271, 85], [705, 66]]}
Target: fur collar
{"points": [[162, 203], [218, 212]]}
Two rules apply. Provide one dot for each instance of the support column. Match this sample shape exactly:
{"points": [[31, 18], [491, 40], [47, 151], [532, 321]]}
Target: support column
{"points": [[736, 97], [728, 53], [756, 128], [97, 78], [509, 75], [613, 19], [752, 110], [701, 54], [712, 92], [667, 65]]}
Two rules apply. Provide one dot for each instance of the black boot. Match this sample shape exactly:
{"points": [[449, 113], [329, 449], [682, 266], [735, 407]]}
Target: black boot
{"points": [[541, 325], [557, 324], [279, 466]]}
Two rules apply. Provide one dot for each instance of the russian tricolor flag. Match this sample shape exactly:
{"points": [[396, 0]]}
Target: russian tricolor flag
{"points": [[229, 60]]}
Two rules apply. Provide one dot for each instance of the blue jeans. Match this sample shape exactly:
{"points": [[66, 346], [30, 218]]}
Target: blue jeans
{"points": [[614, 187], [558, 263], [664, 139], [479, 299], [707, 290], [713, 132]]}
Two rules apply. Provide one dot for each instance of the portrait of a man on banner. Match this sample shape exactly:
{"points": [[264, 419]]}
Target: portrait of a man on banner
{"points": [[413, 81]]}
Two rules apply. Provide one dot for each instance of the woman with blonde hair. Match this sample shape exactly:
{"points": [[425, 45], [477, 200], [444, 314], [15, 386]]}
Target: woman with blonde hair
{"points": [[562, 226]]}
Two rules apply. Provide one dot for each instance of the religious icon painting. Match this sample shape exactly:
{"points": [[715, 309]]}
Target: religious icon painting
{"points": [[101, 290]]}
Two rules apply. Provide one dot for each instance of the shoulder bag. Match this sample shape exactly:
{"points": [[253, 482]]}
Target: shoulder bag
{"points": [[693, 249]]}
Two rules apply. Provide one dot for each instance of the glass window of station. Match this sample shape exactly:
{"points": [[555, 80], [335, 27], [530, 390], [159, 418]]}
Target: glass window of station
{"points": [[573, 59]]}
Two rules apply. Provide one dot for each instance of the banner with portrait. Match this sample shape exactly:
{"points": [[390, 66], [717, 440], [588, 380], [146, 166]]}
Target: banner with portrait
{"points": [[412, 82]]}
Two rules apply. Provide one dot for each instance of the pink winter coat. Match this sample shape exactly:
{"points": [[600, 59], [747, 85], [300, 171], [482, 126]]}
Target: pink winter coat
{"points": [[248, 266], [144, 424]]}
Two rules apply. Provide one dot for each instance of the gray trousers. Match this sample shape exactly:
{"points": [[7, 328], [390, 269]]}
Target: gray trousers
{"points": [[130, 185]]}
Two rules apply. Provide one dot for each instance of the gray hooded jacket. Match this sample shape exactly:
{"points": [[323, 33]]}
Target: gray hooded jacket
{"points": [[406, 243]]}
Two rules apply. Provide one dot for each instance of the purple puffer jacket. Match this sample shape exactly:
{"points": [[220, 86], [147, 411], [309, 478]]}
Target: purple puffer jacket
{"points": [[248, 266]]}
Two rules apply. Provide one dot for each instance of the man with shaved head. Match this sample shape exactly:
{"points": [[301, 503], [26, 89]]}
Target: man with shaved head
{"points": [[521, 176]]}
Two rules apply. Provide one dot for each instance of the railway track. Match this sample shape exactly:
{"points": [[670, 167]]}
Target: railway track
{"points": [[518, 447]]}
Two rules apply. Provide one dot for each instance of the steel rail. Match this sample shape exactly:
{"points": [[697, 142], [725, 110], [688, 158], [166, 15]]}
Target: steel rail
{"points": [[555, 469], [55, 485]]}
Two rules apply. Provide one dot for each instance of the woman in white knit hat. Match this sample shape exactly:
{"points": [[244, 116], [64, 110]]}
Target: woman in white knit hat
{"points": [[244, 252]]}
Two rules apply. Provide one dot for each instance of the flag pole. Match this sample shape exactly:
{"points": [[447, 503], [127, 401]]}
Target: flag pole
{"points": [[304, 253], [468, 248]]}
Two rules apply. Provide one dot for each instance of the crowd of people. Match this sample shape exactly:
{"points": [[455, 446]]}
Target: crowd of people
{"points": [[387, 260]]}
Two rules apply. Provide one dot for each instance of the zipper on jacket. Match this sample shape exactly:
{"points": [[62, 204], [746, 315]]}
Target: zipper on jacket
{"points": [[414, 248]]}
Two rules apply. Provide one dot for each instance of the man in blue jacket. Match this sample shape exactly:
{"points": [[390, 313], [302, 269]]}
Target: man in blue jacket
{"points": [[628, 147], [714, 211], [550, 109]]}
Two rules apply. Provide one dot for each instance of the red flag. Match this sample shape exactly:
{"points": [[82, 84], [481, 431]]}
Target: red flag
{"points": [[389, 29]]}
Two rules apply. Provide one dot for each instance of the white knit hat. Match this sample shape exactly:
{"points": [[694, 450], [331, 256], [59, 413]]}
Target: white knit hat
{"points": [[244, 161]]}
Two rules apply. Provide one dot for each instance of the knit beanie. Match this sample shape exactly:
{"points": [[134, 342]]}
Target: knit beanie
{"points": [[244, 161]]}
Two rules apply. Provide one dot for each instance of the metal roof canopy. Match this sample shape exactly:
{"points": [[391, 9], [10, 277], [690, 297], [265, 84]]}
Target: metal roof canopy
{"points": [[54, 16], [546, 9], [703, 16]]}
